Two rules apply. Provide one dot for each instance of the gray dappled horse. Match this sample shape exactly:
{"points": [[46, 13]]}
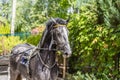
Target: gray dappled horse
{"points": [[42, 62]]}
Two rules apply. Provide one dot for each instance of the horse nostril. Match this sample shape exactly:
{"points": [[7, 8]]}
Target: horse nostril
{"points": [[66, 54]]}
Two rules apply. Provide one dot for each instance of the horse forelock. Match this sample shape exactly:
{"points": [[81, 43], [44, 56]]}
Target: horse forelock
{"points": [[52, 22]]}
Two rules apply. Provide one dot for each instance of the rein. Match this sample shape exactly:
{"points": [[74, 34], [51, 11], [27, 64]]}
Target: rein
{"points": [[49, 67]]}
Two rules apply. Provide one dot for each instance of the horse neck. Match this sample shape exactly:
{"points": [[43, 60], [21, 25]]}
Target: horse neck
{"points": [[47, 55]]}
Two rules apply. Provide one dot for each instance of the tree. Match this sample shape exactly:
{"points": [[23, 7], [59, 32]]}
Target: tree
{"points": [[5, 9], [109, 12]]}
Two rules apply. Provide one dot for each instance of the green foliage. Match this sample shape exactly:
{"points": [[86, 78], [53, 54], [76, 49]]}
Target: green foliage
{"points": [[34, 39], [7, 43], [93, 45], [33, 15], [80, 76], [51, 8], [87, 76], [4, 29], [4, 26], [24, 15], [5, 9], [110, 12]]}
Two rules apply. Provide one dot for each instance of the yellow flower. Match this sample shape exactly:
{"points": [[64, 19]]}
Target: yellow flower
{"points": [[105, 45], [95, 40], [99, 28]]}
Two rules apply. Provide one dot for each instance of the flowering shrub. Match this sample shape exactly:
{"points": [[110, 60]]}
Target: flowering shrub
{"points": [[37, 30]]}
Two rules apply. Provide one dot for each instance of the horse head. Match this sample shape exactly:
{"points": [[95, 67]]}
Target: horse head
{"points": [[57, 28]]}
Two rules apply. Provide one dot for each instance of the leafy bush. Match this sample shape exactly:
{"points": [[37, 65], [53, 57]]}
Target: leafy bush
{"points": [[34, 39], [93, 45], [80, 76], [7, 43], [109, 12], [4, 26], [4, 29]]}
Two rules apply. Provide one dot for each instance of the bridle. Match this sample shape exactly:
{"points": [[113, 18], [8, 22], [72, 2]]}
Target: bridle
{"points": [[50, 48]]}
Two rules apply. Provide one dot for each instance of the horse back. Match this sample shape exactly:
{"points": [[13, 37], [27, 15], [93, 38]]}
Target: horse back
{"points": [[17, 52]]}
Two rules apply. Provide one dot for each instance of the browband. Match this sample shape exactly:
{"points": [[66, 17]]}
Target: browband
{"points": [[57, 25]]}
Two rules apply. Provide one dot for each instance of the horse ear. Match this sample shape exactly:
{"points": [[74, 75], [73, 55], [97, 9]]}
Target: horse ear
{"points": [[50, 23], [53, 20]]}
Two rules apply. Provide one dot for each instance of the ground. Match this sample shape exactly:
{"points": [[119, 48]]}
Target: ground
{"points": [[3, 77]]}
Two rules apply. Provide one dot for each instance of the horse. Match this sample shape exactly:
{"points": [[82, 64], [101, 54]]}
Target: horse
{"points": [[42, 63]]}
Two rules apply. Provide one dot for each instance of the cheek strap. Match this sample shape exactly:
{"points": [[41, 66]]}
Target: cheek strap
{"points": [[52, 42]]}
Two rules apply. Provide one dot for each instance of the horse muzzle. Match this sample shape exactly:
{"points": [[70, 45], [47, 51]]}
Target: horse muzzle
{"points": [[67, 53]]}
